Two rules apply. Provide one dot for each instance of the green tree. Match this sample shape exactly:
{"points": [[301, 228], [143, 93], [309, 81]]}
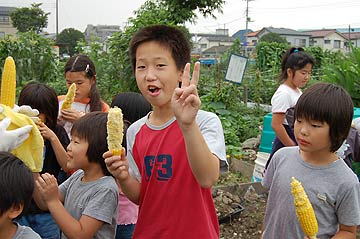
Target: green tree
{"points": [[273, 37], [67, 40], [184, 10], [26, 19], [34, 57]]}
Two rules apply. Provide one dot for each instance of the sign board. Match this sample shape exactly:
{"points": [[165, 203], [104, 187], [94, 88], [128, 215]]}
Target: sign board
{"points": [[236, 68]]}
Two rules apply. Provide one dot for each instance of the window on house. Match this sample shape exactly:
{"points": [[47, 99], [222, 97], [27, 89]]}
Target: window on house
{"points": [[203, 45], [4, 20], [327, 41], [337, 44]]}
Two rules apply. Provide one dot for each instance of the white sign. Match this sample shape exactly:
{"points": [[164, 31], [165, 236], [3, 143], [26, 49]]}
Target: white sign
{"points": [[236, 68]]}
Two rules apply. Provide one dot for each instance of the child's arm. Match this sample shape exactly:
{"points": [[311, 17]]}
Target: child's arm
{"points": [[58, 148], [345, 232], [281, 134], [86, 227], [186, 104], [119, 168]]}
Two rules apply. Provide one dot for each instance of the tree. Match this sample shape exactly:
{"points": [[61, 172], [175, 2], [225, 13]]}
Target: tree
{"points": [[26, 19], [185, 9], [67, 40], [273, 37]]}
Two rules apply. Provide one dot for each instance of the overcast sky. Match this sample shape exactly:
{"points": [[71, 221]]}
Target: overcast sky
{"points": [[305, 14]]}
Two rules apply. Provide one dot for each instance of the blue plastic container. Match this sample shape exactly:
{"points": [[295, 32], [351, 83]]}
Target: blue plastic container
{"points": [[267, 135], [356, 113]]}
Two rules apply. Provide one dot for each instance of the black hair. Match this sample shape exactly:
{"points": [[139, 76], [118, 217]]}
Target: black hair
{"points": [[133, 105], [16, 183], [328, 103], [82, 63], [170, 37], [295, 58], [92, 128], [43, 98]]}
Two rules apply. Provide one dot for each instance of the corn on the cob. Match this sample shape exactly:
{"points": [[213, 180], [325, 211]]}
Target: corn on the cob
{"points": [[115, 128], [69, 98], [304, 209], [8, 83]]}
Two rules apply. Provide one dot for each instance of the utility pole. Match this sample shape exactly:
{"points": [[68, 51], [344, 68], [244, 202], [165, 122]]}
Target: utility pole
{"points": [[349, 39], [246, 25], [57, 18]]}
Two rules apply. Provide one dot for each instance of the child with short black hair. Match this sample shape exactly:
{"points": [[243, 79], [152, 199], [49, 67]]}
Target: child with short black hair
{"points": [[16, 188], [85, 205], [323, 116], [176, 151], [43, 98]]}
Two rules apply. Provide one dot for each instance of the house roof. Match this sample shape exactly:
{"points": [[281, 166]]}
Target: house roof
{"points": [[253, 34], [323, 33], [284, 31], [241, 34], [216, 50], [353, 35], [216, 38]]}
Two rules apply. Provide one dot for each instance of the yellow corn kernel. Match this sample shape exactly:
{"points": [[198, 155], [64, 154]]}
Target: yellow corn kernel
{"points": [[8, 83], [69, 98], [115, 128], [304, 209]]}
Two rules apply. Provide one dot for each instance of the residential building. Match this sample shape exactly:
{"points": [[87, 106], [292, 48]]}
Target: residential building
{"points": [[102, 32], [203, 41], [214, 52], [6, 28], [355, 38], [293, 37], [242, 35], [328, 39]]}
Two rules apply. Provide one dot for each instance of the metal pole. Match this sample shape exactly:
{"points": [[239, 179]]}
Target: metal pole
{"points": [[246, 30], [57, 18]]}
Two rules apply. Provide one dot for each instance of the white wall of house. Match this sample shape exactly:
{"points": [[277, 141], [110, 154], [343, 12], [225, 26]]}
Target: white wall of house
{"points": [[293, 40], [204, 43], [298, 41], [331, 42]]}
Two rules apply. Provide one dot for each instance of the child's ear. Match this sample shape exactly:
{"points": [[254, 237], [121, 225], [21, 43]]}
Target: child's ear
{"points": [[289, 72], [15, 210]]}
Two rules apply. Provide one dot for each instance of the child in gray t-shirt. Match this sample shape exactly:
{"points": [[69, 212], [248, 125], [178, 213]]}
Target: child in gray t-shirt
{"points": [[323, 117], [85, 205], [16, 189]]}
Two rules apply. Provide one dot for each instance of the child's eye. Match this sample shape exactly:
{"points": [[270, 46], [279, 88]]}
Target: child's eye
{"points": [[161, 65], [140, 67]]}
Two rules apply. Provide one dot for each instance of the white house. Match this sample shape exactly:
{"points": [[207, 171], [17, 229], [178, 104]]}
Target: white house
{"points": [[6, 28], [293, 37], [328, 39]]}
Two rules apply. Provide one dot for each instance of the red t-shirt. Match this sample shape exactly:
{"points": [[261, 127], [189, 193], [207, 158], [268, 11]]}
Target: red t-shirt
{"points": [[172, 203]]}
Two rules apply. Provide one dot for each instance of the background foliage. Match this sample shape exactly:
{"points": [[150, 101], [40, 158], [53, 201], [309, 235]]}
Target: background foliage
{"points": [[35, 60]]}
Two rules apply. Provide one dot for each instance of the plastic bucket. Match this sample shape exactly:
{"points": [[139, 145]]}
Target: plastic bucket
{"points": [[267, 135], [260, 162]]}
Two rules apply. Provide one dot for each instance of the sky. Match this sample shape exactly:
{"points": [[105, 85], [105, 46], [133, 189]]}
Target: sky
{"points": [[294, 14]]}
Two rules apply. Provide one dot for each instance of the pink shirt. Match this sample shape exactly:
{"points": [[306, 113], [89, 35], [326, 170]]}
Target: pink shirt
{"points": [[128, 211]]}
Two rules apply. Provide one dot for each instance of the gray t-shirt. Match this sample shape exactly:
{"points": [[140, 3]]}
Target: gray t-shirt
{"points": [[97, 199], [24, 232], [333, 190]]}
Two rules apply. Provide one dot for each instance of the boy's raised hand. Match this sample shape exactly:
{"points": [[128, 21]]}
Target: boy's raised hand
{"points": [[185, 101], [119, 168]]}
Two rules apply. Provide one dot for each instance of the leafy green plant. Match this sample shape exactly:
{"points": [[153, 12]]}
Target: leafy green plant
{"points": [[346, 72]]}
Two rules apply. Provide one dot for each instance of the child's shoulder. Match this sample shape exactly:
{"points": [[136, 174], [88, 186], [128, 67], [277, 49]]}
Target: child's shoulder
{"points": [[24, 232]]}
